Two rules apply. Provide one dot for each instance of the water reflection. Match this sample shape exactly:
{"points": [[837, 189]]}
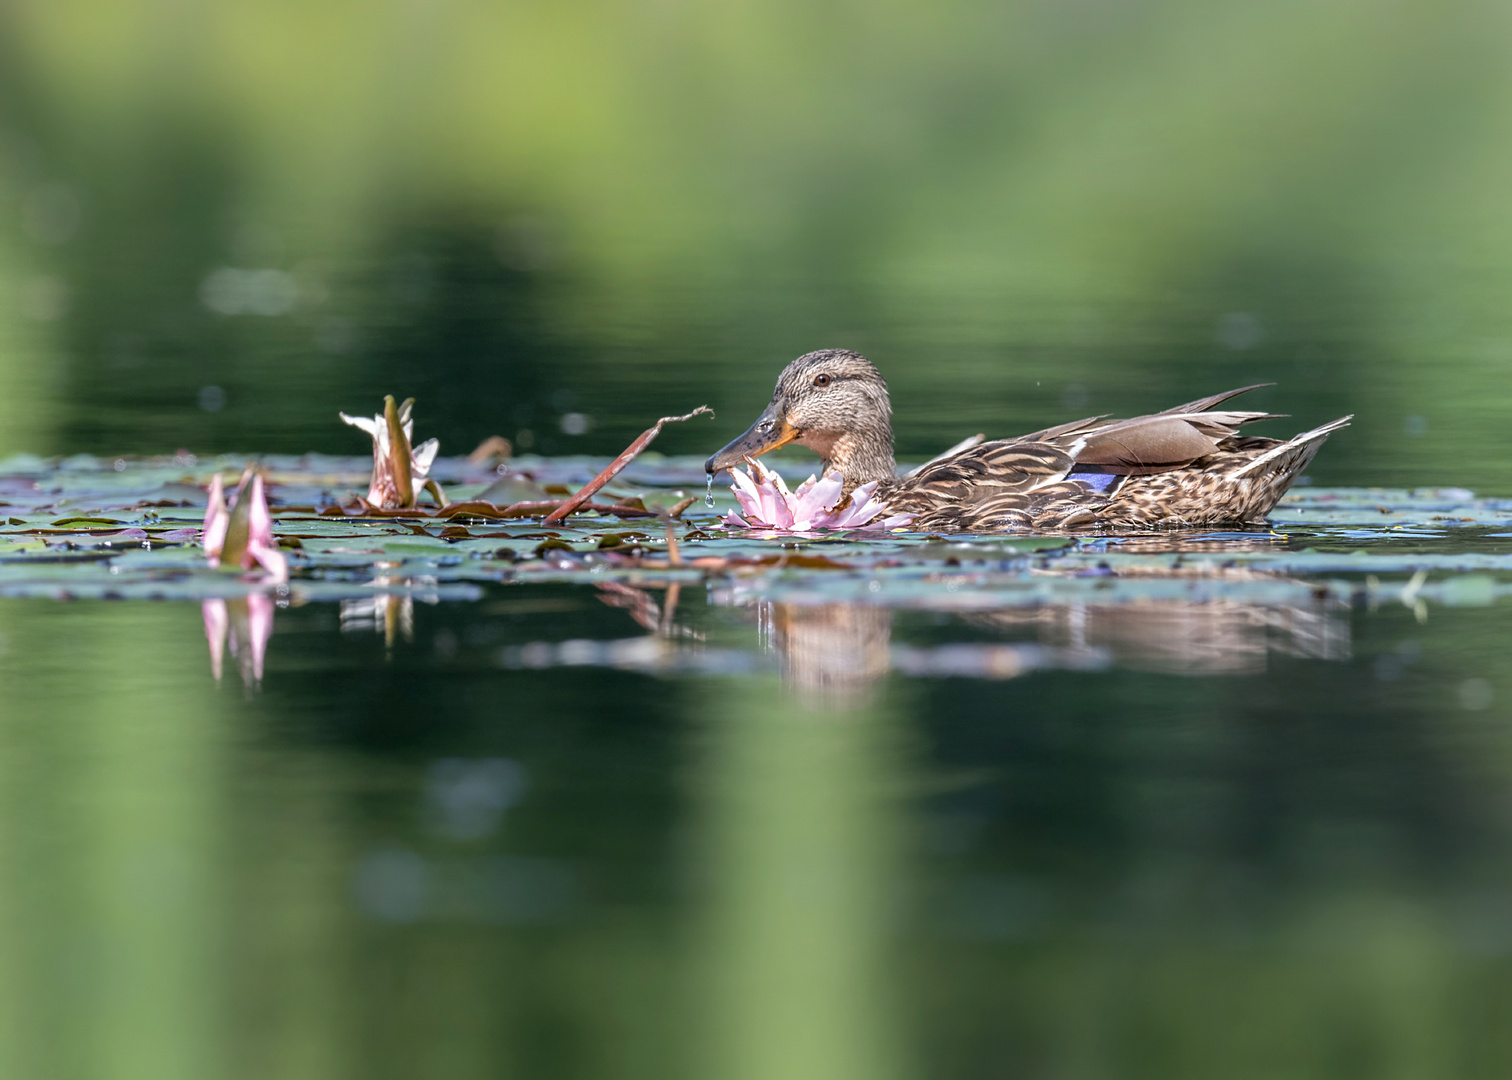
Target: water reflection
{"points": [[397, 885], [843, 648], [246, 624], [466, 799], [798, 841], [1205, 542], [641, 605], [1220, 637], [838, 650], [391, 615], [833, 654], [781, 886]]}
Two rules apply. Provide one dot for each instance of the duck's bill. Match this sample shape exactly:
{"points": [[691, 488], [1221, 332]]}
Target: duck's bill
{"points": [[768, 433]]}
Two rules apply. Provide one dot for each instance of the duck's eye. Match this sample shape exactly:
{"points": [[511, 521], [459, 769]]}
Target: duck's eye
{"points": [[821, 380]]}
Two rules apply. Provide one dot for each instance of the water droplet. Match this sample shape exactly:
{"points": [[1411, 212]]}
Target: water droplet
{"points": [[709, 496]]}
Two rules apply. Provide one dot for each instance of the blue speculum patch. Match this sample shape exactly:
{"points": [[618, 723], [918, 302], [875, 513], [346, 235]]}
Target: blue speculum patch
{"points": [[1097, 481]]}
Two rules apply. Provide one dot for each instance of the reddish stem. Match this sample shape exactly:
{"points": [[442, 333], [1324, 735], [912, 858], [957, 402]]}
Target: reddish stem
{"points": [[627, 455]]}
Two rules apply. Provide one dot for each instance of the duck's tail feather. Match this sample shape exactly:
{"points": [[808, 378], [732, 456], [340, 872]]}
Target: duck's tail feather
{"points": [[1292, 456]]}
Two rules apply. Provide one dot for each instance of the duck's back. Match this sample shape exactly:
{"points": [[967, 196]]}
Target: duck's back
{"points": [[1186, 466]]}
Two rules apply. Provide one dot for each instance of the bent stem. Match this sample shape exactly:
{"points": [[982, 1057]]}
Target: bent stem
{"points": [[615, 467]]}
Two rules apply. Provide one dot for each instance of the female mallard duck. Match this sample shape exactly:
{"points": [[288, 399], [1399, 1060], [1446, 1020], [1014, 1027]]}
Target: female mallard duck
{"points": [[1183, 467]]}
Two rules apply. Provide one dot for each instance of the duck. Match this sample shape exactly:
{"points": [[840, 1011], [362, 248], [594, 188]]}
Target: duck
{"points": [[1188, 466]]}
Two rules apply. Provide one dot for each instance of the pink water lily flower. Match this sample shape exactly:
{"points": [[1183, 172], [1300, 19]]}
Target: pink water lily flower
{"points": [[400, 471], [768, 504], [241, 535]]}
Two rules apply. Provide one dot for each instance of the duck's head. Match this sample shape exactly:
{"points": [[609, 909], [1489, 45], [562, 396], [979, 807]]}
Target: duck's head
{"points": [[835, 403]]}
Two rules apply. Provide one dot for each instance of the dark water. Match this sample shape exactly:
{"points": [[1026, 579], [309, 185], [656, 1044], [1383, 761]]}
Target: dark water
{"points": [[401, 860]]}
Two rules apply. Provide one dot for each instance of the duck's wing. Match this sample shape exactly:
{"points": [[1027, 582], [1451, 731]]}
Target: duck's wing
{"points": [[1156, 443], [1056, 505], [1171, 439], [985, 469], [1027, 481], [1204, 404], [1064, 434]]}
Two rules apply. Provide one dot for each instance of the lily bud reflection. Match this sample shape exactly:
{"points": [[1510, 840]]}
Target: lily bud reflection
{"points": [[246, 624]]}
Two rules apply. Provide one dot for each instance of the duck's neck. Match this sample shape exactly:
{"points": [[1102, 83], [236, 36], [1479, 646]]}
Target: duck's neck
{"points": [[859, 457]]}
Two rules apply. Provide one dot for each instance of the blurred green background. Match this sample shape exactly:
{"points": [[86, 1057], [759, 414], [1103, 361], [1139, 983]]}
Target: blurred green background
{"points": [[221, 222]]}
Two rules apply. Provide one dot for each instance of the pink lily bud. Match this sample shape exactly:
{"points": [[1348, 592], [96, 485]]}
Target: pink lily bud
{"points": [[241, 535]]}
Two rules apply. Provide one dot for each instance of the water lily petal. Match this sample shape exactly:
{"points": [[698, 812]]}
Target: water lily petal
{"points": [[422, 458], [746, 492], [821, 497], [770, 504], [770, 507], [780, 514], [862, 507], [271, 559], [776, 479], [260, 521], [217, 518], [372, 427]]}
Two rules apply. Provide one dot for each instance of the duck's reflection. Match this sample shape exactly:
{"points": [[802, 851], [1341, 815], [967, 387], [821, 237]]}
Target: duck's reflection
{"points": [[1218, 637], [835, 648], [1200, 543], [839, 650]]}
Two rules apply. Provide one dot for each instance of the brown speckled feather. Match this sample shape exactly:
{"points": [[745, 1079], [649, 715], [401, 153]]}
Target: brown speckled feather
{"points": [[1014, 486]]}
